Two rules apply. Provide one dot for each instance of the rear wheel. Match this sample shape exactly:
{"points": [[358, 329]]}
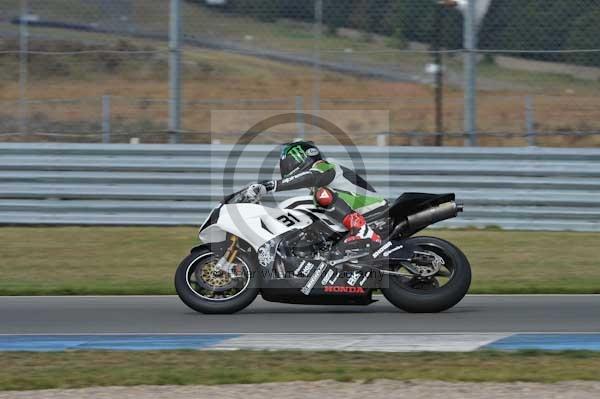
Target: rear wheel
{"points": [[205, 289], [444, 286]]}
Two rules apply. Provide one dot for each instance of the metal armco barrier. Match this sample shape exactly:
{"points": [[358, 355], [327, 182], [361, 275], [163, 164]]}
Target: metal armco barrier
{"points": [[122, 184]]}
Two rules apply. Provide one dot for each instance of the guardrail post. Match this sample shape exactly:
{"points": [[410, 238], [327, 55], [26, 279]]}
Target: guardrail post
{"points": [[106, 119], [530, 121]]}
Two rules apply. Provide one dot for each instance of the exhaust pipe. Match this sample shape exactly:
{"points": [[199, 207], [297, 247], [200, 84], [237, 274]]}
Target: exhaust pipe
{"points": [[429, 216]]}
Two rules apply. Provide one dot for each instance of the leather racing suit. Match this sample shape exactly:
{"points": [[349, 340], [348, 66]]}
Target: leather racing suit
{"points": [[345, 195]]}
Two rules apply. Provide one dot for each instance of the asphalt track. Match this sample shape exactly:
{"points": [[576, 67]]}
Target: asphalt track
{"points": [[166, 314]]}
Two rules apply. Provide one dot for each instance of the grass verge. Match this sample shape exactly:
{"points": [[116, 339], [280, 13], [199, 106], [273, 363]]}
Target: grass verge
{"points": [[22, 371], [142, 260]]}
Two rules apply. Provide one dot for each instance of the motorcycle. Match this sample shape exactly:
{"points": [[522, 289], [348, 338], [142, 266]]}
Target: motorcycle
{"points": [[292, 254]]}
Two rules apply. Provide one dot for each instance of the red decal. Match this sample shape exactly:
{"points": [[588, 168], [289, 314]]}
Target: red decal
{"points": [[324, 197], [344, 290]]}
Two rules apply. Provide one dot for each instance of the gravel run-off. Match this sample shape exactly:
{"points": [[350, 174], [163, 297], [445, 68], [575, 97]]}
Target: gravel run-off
{"points": [[380, 389]]}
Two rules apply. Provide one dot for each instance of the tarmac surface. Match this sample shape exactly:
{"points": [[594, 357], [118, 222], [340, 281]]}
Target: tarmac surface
{"points": [[168, 315]]}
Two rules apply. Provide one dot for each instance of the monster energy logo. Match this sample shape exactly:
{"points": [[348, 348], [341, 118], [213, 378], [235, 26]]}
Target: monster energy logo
{"points": [[297, 153]]}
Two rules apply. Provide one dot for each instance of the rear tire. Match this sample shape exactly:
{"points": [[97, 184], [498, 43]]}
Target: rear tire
{"points": [[203, 305], [436, 299]]}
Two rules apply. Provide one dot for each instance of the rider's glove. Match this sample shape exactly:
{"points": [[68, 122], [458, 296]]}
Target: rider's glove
{"points": [[270, 185], [254, 192]]}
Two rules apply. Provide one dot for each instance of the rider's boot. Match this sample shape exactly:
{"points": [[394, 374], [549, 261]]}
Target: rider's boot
{"points": [[361, 236]]}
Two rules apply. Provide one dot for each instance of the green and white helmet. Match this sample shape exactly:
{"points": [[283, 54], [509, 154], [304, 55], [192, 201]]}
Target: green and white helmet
{"points": [[298, 156]]}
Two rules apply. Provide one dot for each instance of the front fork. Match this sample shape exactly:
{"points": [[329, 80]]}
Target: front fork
{"points": [[226, 263]]}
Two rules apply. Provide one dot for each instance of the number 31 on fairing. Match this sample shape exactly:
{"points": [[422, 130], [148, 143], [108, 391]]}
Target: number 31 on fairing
{"points": [[289, 220]]}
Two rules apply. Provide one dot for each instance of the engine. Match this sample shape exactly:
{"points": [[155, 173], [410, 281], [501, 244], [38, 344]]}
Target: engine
{"points": [[310, 244], [305, 246]]}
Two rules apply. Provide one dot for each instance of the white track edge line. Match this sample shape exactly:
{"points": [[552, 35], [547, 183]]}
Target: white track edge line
{"points": [[316, 334]]}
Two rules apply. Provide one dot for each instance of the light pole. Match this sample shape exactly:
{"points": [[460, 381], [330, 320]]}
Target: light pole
{"points": [[467, 8], [473, 12]]}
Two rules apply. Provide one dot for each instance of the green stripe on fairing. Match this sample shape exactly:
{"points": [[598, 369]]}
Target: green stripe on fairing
{"points": [[357, 201]]}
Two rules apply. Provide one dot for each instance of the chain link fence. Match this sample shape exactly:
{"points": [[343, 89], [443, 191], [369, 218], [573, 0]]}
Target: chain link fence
{"points": [[91, 70]]}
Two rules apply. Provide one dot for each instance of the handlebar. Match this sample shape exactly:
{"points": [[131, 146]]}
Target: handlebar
{"points": [[229, 197], [239, 198]]}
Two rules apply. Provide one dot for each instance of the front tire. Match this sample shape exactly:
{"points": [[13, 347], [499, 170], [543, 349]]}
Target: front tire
{"points": [[432, 299], [196, 300]]}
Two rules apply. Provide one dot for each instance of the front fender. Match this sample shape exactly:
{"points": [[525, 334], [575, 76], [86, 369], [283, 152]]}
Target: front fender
{"points": [[199, 248], [218, 247]]}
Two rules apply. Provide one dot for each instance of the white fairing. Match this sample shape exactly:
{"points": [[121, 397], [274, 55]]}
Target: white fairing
{"points": [[257, 224], [307, 203]]}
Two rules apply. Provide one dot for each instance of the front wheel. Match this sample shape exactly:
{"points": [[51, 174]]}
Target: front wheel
{"points": [[444, 288], [205, 289]]}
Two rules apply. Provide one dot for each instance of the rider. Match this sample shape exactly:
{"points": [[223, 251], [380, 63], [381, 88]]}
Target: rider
{"points": [[338, 190]]}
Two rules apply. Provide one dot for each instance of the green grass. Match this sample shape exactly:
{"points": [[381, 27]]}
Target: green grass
{"points": [[529, 262], [81, 260], [142, 260], [98, 368]]}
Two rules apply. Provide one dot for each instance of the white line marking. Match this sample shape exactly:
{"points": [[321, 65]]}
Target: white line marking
{"points": [[317, 333], [364, 342]]}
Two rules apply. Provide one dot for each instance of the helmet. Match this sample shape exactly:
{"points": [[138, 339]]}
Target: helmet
{"points": [[298, 156]]}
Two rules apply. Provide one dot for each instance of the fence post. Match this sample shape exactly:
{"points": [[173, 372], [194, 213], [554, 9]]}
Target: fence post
{"points": [[300, 116], [439, 75], [175, 72], [530, 121], [23, 67], [470, 70], [106, 119], [318, 31]]}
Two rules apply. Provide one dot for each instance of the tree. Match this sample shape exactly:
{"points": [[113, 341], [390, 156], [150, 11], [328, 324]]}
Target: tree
{"points": [[509, 24], [530, 25], [584, 34], [303, 10], [336, 13]]}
